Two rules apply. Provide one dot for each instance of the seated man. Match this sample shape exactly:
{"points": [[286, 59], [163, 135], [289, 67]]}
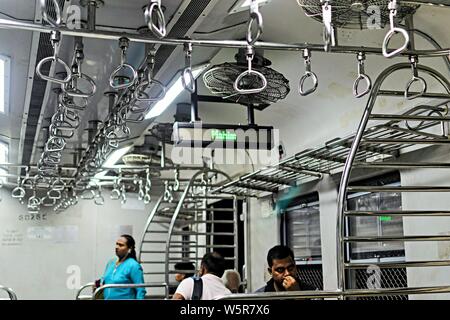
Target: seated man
{"points": [[209, 286], [284, 272], [232, 280], [182, 269]]}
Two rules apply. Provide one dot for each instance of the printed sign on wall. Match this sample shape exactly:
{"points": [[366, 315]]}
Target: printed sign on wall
{"points": [[12, 237], [40, 233]]}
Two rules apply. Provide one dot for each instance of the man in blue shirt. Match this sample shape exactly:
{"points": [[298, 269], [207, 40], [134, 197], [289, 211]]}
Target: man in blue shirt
{"points": [[124, 270]]}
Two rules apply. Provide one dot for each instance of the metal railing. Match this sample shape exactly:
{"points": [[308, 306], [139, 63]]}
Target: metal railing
{"points": [[300, 295], [12, 295], [415, 135], [99, 290], [88, 285]]}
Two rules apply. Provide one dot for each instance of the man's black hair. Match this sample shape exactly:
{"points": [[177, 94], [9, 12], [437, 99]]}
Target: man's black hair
{"points": [[279, 252], [183, 266], [214, 263]]}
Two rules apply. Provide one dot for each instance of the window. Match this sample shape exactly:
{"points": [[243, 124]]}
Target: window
{"points": [[301, 232], [4, 149], [4, 82], [376, 227]]}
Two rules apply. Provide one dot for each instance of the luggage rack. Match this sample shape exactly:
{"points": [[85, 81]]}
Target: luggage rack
{"points": [[312, 164]]}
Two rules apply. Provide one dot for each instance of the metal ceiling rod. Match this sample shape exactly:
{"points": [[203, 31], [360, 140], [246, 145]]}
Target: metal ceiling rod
{"points": [[108, 35]]}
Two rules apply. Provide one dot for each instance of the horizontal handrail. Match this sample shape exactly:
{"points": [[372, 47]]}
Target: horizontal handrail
{"points": [[127, 286], [87, 285], [11, 293], [109, 35], [296, 295]]}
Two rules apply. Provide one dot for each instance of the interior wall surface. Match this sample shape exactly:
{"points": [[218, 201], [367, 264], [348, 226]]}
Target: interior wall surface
{"points": [[50, 255], [264, 233]]}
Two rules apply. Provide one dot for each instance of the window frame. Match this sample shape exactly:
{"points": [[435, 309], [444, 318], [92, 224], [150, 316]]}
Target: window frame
{"points": [[7, 83]]}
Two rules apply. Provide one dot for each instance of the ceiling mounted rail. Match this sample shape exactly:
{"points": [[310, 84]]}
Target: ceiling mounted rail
{"points": [[109, 35]]}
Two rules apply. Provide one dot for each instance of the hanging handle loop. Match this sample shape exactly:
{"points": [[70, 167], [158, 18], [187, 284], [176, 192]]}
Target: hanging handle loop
{"points": [[158, 26], [392, 6], [55, 39], [255, 17], [328, 30], [187, 78], [53, 22], [308, 74], [150, 82], [361, 77], [415, 78], [123, 44], [248, 73]]}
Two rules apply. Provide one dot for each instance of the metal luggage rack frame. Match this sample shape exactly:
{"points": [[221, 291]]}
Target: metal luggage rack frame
{"points": [[311, 164]]}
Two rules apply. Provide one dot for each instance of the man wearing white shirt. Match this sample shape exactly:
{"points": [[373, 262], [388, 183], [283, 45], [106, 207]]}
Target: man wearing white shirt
{"points": [[211, 270]]}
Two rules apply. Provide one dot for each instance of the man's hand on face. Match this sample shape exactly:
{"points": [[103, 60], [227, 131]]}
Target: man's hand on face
{"points": [[290, 284]]}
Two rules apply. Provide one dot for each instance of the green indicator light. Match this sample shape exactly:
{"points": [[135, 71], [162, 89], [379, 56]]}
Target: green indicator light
{"points": [[385, 218], [223, 135]]}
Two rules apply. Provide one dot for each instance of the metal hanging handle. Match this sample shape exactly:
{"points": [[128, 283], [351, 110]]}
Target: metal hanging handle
{"points": [[415, 78], [328, 31], [47, 202], [147, 84], [148, 185], [250, 72], [18, 192], [176, 185], [74, 92], [361, 77], [187, 77], [71, 88], [46, 17], [115, 193], [123, 194], [308, 74], [255, 17], [54, 144], [55, 38], [54, 194], [58, 185], [123, 44], [158, 27], [392, 6], [98, 199]]}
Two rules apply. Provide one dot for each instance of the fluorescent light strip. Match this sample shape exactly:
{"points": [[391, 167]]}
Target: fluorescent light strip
{"points": [[175, 89]]}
